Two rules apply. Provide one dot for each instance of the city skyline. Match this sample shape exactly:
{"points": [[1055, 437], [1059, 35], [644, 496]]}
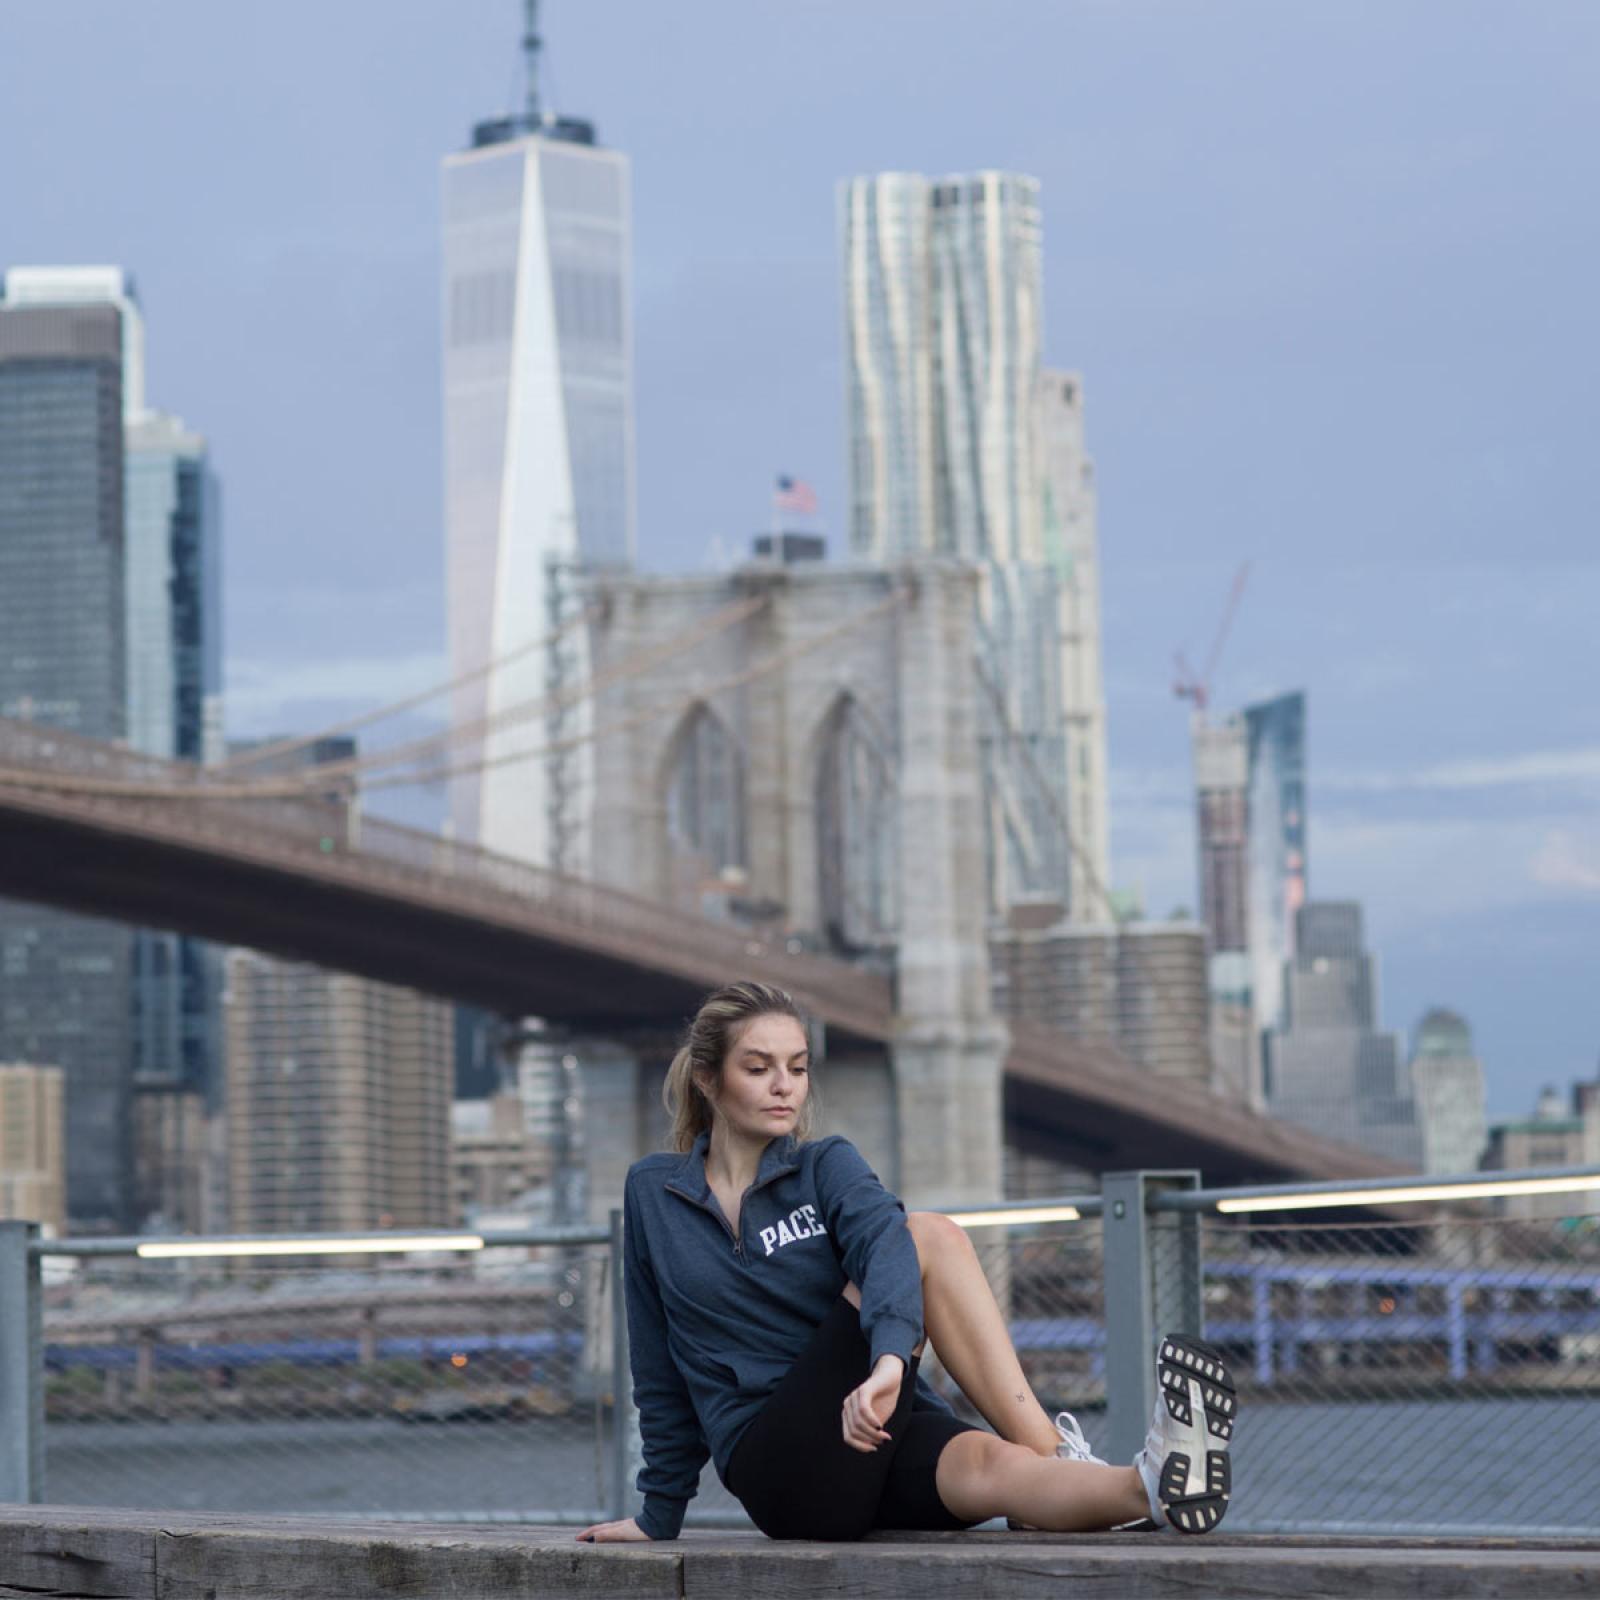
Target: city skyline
{"points": [[1390, 423]]}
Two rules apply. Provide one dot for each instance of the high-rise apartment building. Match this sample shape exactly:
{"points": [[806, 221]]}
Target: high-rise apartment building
{"points": [[1221, 786], [337, 1088], [962, 443], [538, 425], [943, 353], [1327, 1065], [63, 979], [32, 1146], [338, 1101], [1447, 1085], [1221, 790], [174, 607], [171, 585], [1250, 834], [1275, 731], [1072, 549]]}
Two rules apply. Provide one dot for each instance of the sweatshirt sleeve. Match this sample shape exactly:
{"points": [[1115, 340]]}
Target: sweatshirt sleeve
{"points": [[675, 1449], [879, 1255]]}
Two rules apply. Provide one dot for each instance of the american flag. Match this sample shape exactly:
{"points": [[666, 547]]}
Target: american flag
{"points": [[793, 495]]}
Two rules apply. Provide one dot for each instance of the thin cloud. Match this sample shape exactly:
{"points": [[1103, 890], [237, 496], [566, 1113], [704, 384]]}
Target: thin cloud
{"points": [[1581, 765], [267, 696], [1568, 860]]}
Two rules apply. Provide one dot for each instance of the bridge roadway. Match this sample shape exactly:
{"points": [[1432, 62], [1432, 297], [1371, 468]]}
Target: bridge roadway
{"points": [[92, 828]]}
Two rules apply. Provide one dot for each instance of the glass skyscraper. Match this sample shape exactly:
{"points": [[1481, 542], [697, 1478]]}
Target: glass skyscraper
{"points": [[170, 601], [962, 443], [174, 615], [1275, 735], [538, 419], [64, 979]]}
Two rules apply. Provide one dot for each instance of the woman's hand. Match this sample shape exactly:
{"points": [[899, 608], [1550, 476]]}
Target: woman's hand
{"points": [[612, 1532], [867, 1409]]}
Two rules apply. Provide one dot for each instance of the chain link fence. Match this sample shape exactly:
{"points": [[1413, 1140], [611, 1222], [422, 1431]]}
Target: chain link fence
{"points": [[1415, 1371], [473, 1387], [1428, 1376]]}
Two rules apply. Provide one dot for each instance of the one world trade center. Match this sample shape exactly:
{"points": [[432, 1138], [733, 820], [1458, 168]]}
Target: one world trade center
{"points": [[538, 423]]}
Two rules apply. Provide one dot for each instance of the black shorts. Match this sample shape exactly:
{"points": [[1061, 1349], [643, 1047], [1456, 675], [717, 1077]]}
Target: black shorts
{"points": [[798, 1479]]}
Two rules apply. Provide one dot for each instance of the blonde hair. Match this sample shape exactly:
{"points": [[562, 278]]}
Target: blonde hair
{"points": [[722, 1017]]}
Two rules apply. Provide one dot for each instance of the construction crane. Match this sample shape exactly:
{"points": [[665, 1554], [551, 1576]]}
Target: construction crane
{"points": [[1196, 687]]}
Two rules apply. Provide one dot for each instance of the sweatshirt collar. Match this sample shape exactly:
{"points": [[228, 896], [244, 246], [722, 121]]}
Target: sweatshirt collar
{"points": [[689, 1179]]}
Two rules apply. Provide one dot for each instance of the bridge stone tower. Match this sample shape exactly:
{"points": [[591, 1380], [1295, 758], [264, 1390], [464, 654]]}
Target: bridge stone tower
{"points": [[949, 1046], [810, 765]]}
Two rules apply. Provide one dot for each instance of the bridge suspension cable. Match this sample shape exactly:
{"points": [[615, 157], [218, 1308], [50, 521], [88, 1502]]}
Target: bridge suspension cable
{"points": [[319, 780], [302, 741], [1014, 740], [315, 779], [771, 663]]}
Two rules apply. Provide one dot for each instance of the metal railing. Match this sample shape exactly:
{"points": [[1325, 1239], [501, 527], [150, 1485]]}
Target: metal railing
{"points": [[1401, 1368]]}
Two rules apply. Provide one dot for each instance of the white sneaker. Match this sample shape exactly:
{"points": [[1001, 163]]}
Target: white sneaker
{"points": [[1073, 1446], [1184, 1465]]}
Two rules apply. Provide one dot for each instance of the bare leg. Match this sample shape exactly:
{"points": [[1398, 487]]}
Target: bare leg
{"points": [[971, 1337], [980, 1477]]}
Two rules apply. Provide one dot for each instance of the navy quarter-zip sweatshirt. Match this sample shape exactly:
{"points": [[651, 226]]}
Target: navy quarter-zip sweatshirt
{"points": [[716, 1316]]}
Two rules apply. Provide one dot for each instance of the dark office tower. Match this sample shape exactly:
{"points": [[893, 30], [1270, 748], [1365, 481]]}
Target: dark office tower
{"points": [[63, 979]]}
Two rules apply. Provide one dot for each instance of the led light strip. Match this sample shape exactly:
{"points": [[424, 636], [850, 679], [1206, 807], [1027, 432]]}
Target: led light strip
{"points": [[998, 1218], [1409, 1194], [355, 1244]]}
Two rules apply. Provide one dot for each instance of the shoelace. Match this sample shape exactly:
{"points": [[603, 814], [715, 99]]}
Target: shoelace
{"points": [[1077, 1446]]}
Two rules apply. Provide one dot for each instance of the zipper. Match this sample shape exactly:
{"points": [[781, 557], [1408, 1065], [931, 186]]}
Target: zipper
{"points": [[744, 1205], [718, 1213]]}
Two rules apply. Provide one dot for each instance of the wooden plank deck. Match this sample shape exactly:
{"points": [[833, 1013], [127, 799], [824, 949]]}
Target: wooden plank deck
{"points": [[74, 1553]]}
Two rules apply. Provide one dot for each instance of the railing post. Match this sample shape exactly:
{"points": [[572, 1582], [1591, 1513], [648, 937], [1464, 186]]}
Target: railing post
{"points": [[1153, 1274], [626, 1449], [21, 1367]]}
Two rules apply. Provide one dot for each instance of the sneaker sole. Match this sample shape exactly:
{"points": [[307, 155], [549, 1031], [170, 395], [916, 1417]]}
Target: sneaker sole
{"points": [[1193, 1373]]}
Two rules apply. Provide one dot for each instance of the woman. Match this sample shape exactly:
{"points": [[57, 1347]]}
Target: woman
{"points": [[779, 1299]]}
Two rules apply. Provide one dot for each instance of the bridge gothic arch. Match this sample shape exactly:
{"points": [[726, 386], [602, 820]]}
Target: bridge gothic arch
{"points": [[704, 805], [855, 797]]}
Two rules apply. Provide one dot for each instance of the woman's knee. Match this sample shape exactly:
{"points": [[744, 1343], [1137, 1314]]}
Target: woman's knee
{"points": [[935, 1236]]}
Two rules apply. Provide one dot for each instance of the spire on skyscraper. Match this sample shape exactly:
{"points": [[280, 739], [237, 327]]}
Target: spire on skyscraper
{"points": [[533, 118], [531, 43]]}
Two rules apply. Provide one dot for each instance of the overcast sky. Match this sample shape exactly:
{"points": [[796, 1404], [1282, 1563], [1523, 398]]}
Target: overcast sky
{"points": [[1328, 270]]}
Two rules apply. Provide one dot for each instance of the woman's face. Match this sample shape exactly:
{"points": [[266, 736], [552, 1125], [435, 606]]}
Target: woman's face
{"points": [[765, 1078]]}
